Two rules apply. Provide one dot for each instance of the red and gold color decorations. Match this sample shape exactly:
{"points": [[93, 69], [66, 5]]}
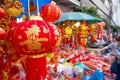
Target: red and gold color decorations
{"points": [[83, 33], [1, 62], [100, 28], [68, 32], [35, 38], [13, 9], [2, 13], [50, 12], [93, 33]]}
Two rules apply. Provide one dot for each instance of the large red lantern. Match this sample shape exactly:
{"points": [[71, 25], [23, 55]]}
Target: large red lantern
{"points": [[2, 13], [50, 12], [35, 37]]}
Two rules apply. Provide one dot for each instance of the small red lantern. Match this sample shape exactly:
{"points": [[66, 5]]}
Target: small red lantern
{"points": [[35, 37], [50, 12], [2, 13]]}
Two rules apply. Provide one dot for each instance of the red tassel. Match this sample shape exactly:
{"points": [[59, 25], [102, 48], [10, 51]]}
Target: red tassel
{"points": [[36, 68]]}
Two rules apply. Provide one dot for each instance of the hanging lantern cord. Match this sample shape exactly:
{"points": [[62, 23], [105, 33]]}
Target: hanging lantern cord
{"points": [[38, 8], [28, 9]]}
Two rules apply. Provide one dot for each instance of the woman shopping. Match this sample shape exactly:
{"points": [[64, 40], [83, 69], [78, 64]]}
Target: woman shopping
{"points": [[115, 51]]}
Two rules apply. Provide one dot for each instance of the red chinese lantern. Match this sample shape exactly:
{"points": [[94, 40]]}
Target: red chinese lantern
{"points": [[35, 37], [2, 13], [50, 12]]}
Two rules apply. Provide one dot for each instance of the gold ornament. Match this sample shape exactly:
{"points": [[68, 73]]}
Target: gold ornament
{"points": [[13, 9]]}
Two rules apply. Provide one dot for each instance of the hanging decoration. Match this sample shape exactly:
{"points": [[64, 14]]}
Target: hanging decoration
{"points": [[3, 29], [13, 8], [50, 12], [2, 13], [66, 33], [93, 33], [35, 38], [100, 32], [83, 32]]}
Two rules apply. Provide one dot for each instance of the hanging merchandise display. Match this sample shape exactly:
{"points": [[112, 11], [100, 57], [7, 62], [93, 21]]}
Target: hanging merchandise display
{"points": [[93, 33], [83, 32], [50, 12], [100, 27], [67, 32]]}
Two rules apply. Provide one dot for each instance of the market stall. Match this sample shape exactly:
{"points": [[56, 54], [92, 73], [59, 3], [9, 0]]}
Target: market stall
{"points": [[33, 48]]}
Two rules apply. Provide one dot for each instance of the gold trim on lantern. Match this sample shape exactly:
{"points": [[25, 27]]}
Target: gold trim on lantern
{"points": [[36, 56]]}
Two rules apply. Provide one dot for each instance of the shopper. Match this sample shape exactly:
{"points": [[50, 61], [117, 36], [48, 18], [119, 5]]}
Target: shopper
{"points": [[116, 53]]}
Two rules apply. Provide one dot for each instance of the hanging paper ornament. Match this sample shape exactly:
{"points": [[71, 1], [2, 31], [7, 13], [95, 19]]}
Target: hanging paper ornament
{"points": [[92, 28], [35, 37], [100, 27], [2, 13], [67, 32], [93, 33], [50, 12], [83, 32], [13, 9]]}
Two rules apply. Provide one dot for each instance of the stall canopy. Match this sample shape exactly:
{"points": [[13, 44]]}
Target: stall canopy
{"points": [[78, 16]]}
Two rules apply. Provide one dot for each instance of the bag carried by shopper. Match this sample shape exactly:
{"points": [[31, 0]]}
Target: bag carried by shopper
{"points": [[114, 67]]}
